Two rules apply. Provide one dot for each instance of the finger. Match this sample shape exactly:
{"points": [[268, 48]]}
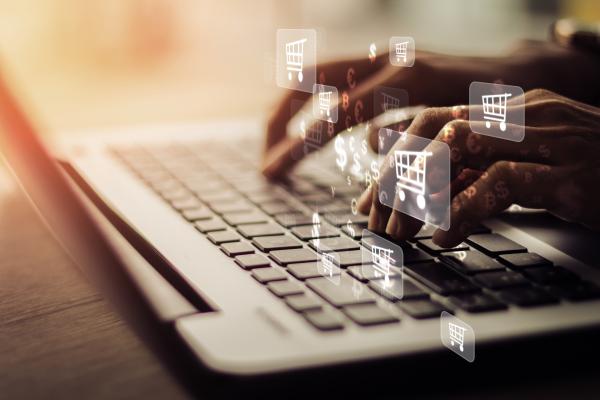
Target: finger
{"points": [[503, 184], [379, 213]]}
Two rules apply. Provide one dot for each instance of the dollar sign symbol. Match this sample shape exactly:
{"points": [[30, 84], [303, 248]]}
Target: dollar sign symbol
{"points": [[350, 228], [349, 181], [342, 158], [345, 101], [375, 170], [363, 146], [372, 52], [315, 228], [356, 166]]}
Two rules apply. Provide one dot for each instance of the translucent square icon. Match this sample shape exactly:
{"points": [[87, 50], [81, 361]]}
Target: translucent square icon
{"points": [[296, 59], [328, 265], [325, 103], [457, 336], [497, 110], [382, 260], [387, 99], [415, 178], [402, 51]]}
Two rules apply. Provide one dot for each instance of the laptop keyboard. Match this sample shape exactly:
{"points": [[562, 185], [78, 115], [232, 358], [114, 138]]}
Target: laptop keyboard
{"points": [[267, 230]]}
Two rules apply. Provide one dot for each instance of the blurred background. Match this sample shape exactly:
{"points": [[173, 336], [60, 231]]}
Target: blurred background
{"points": [[106, 62]]}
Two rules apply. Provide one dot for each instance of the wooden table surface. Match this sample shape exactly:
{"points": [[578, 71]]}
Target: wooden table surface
{"points": [[58, 337]]}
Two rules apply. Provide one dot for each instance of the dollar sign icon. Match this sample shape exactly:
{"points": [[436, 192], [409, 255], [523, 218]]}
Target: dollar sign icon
{"points": [[356, 165], [345, 101], [342, 158], [375, 170], [350, 228], [372, 52]]}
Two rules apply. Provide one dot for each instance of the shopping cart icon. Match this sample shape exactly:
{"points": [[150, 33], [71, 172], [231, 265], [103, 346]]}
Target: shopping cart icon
{"points": [[294, 58], [411, 172], [494, 109], [389, 102], [401, 51], [314, 135], [382, 259], [457, 335], [325, 102]]}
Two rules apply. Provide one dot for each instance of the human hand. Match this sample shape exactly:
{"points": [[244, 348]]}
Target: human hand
{"points": [[434, 80], [556, 167]]}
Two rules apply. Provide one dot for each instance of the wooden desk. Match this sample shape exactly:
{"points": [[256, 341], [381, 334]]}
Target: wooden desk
{"points": [[58, 337]]}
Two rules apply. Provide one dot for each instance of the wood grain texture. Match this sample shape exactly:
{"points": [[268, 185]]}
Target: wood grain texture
{"points": [[58, 337]]}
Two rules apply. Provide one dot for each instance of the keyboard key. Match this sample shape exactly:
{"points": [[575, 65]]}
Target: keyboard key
{"points": [[210, 225], [348, 258], [264, 197], [266, 275], [269, 243], [426, 232], [285, 288], [526, 296], [175, 194], [440, 279], [333, 244], [220, 237], [324, 320], [309, 270], [221, 207], [341, 219], [293, 219], [428, 245], [251, 261], [254, 230], [277, 208], [334, 207], [243, 218], [291, 256], [303, 302], [307, 232], [494, 243], [575, 290], [524, 260], [476, 302], [348, 291], [369, 314], [198, 213], [186, 203], [415, 256], [233, 249], [369, 241], [550, 275], [421, 309], [367, 273], [501, 279], [396, 289], [354, 230], [471, 262]]}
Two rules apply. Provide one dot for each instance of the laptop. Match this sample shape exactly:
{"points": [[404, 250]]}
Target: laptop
{"points": [[217, 268]]}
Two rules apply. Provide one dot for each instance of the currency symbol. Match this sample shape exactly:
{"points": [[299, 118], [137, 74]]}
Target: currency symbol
{"points": [[354, 207], [349, 123], [342, 158], [544, 151], [501, 189], [363, 146], [383, 197], [490, 200], [372, 52], [351, 145], [473, 143], [368, 179], [358, 109], [350, 228], [333, 191], [375, 170], [356, 166], [348, 180], [345, 100], [315, 228], [303, 130], [350, 78]]}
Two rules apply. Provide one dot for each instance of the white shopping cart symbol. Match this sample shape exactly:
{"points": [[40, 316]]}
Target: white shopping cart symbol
{"points": [[294, 57], [390, 102], [325, 102], [457, 334], [401, 51], [382, 259], [494, 109], [327, 262], [410, 171]]}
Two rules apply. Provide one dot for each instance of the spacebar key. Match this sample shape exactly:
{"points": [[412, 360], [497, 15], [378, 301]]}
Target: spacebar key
{"points": [[343, 293], [440, 279]]}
